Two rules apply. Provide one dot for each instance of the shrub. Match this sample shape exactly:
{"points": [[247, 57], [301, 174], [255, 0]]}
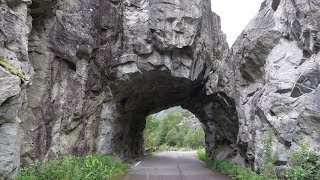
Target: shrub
{"points": [[229, 168], [194, 138], [92, 166], [304, 164], [150, 132], [171, 138]]}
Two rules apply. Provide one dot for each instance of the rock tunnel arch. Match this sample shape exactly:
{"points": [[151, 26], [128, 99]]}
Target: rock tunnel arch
{"points": [[167, 59], [145, 93], [120, 63]]}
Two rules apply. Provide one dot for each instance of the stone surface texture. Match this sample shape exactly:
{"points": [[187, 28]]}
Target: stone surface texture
{"points": [[15, 26], [273, 75], [96, 68]]}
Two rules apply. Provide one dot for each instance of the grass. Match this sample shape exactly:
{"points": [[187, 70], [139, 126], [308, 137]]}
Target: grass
{"points": [[89, 167], [12, 69], [304, 164], [233, 170]]}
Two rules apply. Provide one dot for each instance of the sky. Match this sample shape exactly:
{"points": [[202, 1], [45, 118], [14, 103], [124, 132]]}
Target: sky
{"points": [[235, 15]]}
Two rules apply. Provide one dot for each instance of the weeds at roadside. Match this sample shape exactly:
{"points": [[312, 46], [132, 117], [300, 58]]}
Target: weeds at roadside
{"points": [[226, 167], [304, 164], [89, 167]]}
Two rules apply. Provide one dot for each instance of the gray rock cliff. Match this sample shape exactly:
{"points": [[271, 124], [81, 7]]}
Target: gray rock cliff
{"points": [[94, 69], [273, 75]]}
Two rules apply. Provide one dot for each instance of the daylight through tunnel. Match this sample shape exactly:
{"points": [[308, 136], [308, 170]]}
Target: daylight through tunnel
{"points": [[151, 92]]}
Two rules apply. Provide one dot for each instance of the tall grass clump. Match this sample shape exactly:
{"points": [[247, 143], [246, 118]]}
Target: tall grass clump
{"points": [[229, 168], [268, 157], [304, 164], [89, 167]]}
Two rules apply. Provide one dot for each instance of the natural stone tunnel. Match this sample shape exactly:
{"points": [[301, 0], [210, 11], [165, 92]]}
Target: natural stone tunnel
{"points": [[147, 94], [167, 65], [96, 78], [94, 69]]}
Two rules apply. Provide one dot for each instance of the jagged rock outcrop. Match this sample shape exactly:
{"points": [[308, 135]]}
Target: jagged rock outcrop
{"points": [[94, 69], [273, 75], [15, 26]]}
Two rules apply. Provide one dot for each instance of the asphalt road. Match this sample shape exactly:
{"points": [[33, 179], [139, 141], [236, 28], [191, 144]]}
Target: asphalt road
{"points": [[173, 166]]}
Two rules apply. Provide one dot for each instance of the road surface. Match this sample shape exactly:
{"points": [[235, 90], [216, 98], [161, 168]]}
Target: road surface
{"points": [[173, 166]]}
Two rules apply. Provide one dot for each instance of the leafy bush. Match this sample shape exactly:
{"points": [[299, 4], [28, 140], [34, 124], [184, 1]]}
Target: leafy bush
{"points": [[92, 166], [304, 164], [229, 168], [194, 138], [150, 132], [171, 138]]}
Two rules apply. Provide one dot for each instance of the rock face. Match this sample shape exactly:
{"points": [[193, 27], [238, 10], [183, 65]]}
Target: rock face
{"points": [[273, 75], [96, 68], [15, 26]]}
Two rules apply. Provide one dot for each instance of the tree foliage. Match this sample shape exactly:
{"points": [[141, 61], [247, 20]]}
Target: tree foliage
{"points": [[170, 130]]}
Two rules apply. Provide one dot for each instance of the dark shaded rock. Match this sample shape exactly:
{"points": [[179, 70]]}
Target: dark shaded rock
{"points": [[306, 83], [275, 4], [296, 30]]}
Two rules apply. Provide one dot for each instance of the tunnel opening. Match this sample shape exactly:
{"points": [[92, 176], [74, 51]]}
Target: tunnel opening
{"points": [[173, 129], [145, 93]]}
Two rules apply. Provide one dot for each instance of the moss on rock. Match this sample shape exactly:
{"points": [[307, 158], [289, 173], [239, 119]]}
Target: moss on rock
{"points": [[16, 71]]}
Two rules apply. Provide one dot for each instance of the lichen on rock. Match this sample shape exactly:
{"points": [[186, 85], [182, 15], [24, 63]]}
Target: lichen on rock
{"points": [[12, 69]]}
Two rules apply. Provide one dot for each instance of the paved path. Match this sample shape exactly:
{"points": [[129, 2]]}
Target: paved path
{"points": [[173, 166]]}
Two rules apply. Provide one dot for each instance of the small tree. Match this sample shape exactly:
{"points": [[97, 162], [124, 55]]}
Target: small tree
{"points": [[198, 138], [267, 154], [171, 137]]}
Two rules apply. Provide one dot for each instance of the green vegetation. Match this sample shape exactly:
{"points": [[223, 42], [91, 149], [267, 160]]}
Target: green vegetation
{"points": [[229, 168], [170, 132], [304, 164], [90, 167], [268, 157], [12, 69]]}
